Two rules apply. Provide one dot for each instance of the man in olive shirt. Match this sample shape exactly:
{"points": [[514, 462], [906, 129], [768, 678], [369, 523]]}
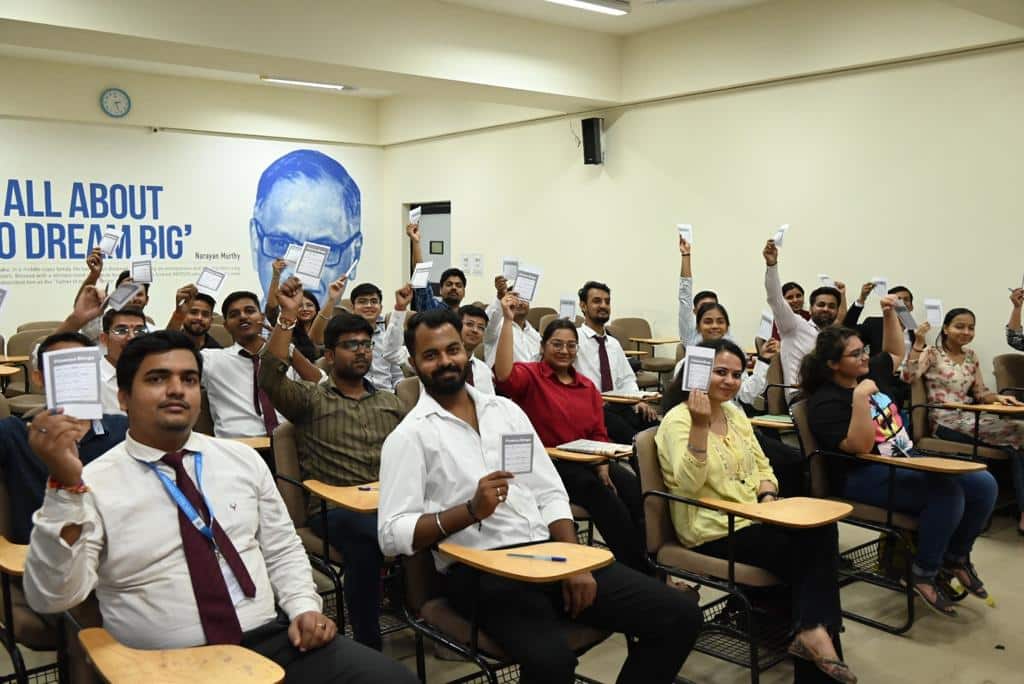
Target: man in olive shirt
{"points": [[340, 427]]}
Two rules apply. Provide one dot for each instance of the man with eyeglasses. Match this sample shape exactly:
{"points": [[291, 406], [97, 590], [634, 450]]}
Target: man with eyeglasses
{"points": [[525, 338], [474, 326], [340, 427], [388, 348], [306, 196]]}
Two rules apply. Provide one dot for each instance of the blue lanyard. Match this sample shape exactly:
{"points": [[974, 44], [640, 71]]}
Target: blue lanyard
{"points": [[183, 503]]}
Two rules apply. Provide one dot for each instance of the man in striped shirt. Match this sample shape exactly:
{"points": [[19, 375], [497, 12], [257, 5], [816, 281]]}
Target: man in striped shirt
{"points": [[340, 427]]}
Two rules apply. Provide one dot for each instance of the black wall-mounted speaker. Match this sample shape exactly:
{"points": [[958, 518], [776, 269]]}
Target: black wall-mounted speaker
{"points": [[593, 141]]}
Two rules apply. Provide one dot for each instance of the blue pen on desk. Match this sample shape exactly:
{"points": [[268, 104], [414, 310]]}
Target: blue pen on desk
{"points": [[532, 556], [367, 489]]}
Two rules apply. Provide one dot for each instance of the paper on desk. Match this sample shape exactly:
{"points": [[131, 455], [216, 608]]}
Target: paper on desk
{"points": [[526, 283], [825, 280], [414, 216], [590, 446], [881, 285], [122, 295], [291, 255], [933, 307], [111, 238], [697, 367], [421, 275], [311, 263], [210, 281], [517, 452], [142, 271], [509, 269], [685, 231], [780, 234], [764, 330], [566, 307], [906, 318], [72, 382]]}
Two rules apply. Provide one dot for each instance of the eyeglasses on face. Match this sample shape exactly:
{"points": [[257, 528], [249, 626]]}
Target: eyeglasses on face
{"points": [[352, 345], [367, 301], [858, 353], [128, 331], [275, 245], [558, 345]]}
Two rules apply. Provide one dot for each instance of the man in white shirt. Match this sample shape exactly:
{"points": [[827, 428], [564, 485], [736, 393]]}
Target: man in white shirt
{"points": [[441, 478], [797, 336], [525, 339], [474, 325], [388, 347], [210, 579], [238, 406], [600, 357]]}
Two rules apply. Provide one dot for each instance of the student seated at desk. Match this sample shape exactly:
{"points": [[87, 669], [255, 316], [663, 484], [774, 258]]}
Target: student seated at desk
{"points": [[340, 426], [1014, 332], [850, 409], [525, 339], [952, 374], [474, 325], [564, 405], [136, 526], [441, 478], [706, 447], [308, 314]]}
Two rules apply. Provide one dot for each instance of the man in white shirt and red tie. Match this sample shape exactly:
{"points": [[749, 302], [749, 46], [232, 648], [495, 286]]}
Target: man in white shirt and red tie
{"points": [[600, 357], [525, 339], [220, 574]]}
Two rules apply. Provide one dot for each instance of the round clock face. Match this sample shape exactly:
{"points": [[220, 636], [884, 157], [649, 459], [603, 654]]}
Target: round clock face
{"points": [[115, 102]]}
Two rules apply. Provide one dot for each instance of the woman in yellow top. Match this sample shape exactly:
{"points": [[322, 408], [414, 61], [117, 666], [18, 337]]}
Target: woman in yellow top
{"points": [[707, 447]]}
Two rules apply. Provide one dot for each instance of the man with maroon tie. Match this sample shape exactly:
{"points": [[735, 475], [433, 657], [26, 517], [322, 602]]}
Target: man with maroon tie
{"points": [[183, 537]]}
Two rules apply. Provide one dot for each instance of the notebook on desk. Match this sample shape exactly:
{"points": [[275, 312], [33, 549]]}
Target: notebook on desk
{"points": [[590, 446]]}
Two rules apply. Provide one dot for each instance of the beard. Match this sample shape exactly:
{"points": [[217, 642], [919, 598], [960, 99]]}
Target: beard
{"points": [[446, 386], [823, 320], [352, 372], [600, 318], [197, 328]]}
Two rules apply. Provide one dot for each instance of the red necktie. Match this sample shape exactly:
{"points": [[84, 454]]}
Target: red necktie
{"points": [[261, 402], [216, 611], [606, 367]]}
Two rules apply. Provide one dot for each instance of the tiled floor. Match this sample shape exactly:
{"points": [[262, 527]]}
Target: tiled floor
{"points": [[983, 646]]}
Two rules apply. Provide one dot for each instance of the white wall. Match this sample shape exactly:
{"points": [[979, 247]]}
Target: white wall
{"points": [[910, 172]]}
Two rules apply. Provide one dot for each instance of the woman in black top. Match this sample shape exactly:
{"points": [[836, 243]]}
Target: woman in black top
{"points": [[850, 409]]}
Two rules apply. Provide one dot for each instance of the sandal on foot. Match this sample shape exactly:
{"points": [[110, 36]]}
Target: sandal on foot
{"points": [[965, 571], [941, 604], [836, 669]]}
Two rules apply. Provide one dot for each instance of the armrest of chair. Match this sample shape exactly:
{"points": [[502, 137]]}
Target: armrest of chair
{"points": [[12, 557], [359, 498], [930, 464], [501, 562], [797, 512]]}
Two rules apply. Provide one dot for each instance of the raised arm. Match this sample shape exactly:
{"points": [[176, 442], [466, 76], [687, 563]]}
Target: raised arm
{"points": [[1014, 334], [786, 319], [687, 320], [392, 342], [892, 332], [852, 317], [271, 304], [95, 263], [289, 397], [504, 356], [334, 293], [88, 305], [841, 313], [182, 301]]}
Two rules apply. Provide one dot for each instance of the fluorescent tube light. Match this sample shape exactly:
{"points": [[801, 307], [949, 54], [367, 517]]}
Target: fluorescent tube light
{"points": [[308, 84], [614, 7]]}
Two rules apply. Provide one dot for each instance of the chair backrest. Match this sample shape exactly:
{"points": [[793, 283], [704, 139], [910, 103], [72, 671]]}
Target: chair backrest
{"points": [[919, 428], [220, 333], [39, 325], [658, 529], [22, 344], [286, 462], [538, 312], [775, 397], [5, 408], [1009, 371], [680, 352], [5, 509], [322, 364], [809, 447], [217, 318], [205, 422], [408, 392], [624, 328], [544, 321]]}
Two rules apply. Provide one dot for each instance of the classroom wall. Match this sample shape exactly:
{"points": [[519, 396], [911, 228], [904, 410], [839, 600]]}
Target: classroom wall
{"points": [[910, 172]]}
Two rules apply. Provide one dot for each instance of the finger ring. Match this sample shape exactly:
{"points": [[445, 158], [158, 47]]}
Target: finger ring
{"points": [[42, 430], [322, 625]]}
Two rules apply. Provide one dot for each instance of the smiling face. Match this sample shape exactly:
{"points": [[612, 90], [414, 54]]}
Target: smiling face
{"points": [[472, 331], [597, 307], [244, 320], [559, 351], [164, 395], [853, 364], [726, 376], [198, 318], [307, 308], [712, 325], [441, 361], [824, 310], [960, 330], [795, 298]]}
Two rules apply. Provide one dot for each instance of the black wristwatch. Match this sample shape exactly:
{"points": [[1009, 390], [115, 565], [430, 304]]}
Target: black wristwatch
{"points": [[760, 497]]}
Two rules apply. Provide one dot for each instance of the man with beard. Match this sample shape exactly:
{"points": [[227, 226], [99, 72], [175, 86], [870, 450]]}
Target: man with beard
{"points": [[193, 314], [453, 280], [525, 339], [797, 336], [601, 358], [441, 478], [339, 429], [474, 325]]}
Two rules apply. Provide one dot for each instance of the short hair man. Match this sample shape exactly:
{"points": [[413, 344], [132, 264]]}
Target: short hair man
{"points": [[525, 339], [453, 280], [601, 358], [474, 327], [340, 426], [24, 474], [441, 478], [193, 314], [306, 196], [389, 351], [238, 406], [110, 528]]}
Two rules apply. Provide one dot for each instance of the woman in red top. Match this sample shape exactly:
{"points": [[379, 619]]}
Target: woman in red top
{"points": [[564, 405]]}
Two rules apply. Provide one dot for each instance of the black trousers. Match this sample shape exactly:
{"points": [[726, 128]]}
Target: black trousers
{"points": [[805, 559], [623, 422], [527, 621], [618, 516], [787, 462], [342, 661]]}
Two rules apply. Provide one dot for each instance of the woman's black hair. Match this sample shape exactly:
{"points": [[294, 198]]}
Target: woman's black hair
{"points": [[950, 315], [711, 306], [559, 324], [674, 393], [829, 347]]}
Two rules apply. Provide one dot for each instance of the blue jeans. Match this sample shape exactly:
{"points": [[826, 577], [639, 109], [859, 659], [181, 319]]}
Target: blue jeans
{"points": [[1015, 457], [952, 510], [355, 536]]}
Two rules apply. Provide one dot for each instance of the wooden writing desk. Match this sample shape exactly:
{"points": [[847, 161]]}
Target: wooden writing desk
{"points": [[12, 557], [655, 340], [497, 561], [7, 371], [353, 498], [977, 410], [254, 442], [634, 352], [222, 664], [930, 464], [578, 457], [771, 423], [14, 359], [612, 399], [799, 511]]}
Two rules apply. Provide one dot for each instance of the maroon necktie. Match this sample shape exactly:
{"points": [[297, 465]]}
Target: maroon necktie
{"points": [[216, 611], [261, 402], [606, 367]]}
